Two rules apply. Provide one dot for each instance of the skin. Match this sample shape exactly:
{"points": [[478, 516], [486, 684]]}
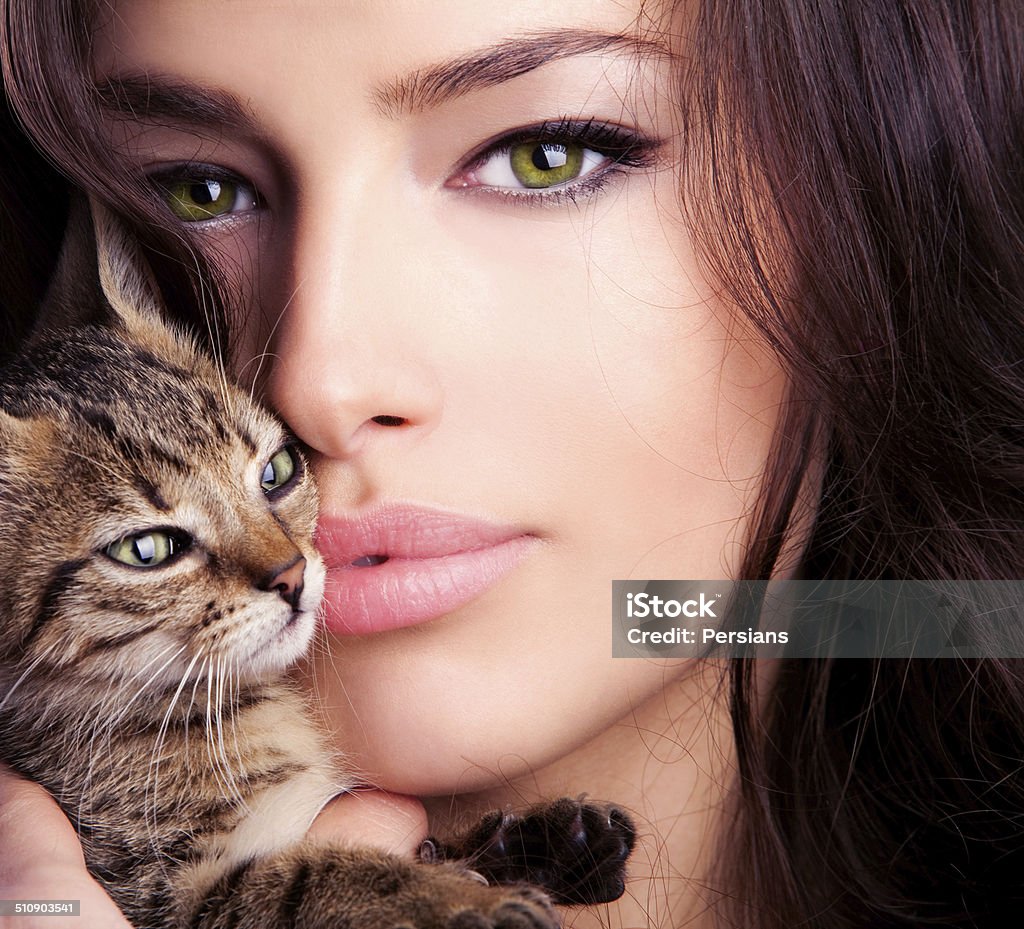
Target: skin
{"points": [[562, 367]]}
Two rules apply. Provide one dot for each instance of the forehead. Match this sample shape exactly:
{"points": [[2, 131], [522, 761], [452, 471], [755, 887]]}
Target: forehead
{"points": [[338, 33], [289, 49]]}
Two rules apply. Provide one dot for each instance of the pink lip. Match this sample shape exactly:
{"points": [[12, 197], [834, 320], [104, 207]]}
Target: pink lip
{"points": [[433, 563]]}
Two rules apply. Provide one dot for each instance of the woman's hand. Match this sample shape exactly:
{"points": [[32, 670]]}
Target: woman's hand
{"points": [[392, 822], [41, 858]]}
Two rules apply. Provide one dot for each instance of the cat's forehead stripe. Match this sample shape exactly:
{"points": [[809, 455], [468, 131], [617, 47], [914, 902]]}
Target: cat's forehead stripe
{"points": [[140, 403], [248, 441], [61, 578], [151, 492]]}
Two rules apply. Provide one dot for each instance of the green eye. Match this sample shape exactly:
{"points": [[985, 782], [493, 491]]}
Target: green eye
{"points": [[278, 471], [545, 164], [193, 200], [148, 549]]}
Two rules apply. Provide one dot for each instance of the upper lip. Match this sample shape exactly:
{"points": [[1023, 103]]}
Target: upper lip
{"points": [[403, 531]]}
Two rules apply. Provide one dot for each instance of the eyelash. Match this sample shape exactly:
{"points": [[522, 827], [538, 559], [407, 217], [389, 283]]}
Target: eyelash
{"points": [[197, 172], [624, 148]]}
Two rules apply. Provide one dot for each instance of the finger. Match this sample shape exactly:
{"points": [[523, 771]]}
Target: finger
{"points": [[33, 830], [95, 909], [393, 822], [41, 859]]}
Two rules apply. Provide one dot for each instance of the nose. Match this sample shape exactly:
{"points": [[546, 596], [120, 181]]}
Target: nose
{"points": [[352, 353], [287, 581]]}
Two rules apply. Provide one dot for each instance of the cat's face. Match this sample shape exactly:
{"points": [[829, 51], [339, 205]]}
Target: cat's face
{"points": [[155, 522]]}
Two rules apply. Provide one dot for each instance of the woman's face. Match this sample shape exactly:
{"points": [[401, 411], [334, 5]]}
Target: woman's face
{"points": [[478, 307]]}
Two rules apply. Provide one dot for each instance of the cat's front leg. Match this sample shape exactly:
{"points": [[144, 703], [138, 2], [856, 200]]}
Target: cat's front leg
{"points": [[312, 886], [574, 849]]}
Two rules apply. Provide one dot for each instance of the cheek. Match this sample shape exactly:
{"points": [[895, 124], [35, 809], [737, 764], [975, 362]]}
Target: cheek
{"points": [[251, 274], [225, 617], [437, 713], [688, 378], [640, 410], [691, 414], [630, 431]]}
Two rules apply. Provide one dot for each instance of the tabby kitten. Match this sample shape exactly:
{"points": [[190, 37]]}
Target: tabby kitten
{"points": [[158, 575]]}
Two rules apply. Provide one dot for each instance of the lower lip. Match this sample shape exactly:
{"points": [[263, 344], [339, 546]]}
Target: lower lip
{"points": [[408, 591]]}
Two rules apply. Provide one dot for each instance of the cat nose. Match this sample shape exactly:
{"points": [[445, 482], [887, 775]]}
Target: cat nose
{"points": [[287, 581]]}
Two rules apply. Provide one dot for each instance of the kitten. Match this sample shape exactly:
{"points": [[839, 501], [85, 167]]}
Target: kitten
{"points": [[158, 575]]}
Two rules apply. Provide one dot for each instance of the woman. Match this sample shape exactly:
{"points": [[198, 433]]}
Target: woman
{"points": [[455, 257]]}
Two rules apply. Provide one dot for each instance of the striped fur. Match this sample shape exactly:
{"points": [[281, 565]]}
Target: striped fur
{"points": [[150, 701]]}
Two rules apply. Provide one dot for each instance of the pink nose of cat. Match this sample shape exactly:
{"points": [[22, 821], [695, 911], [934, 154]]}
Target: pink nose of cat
{"points": [[287, 581]]}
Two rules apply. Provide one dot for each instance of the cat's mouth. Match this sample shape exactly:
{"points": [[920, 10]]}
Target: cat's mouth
{"points": [[368, 561]]}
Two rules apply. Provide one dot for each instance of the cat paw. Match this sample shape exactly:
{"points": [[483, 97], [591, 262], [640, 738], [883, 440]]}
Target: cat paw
{"points": [[521, 908], [575, 850]]}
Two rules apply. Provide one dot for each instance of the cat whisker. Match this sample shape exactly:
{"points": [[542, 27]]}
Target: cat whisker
{"points": [[138, 693], [266, 353], [109, 469], [228, 770], [241, 751], [153, 775], [119, 709], [21, 679], [233, 692], [338, 675], [229, 682], [106, 723], [222, 774], [212, 327], [242, 801], [257, 360], [192, 703]]}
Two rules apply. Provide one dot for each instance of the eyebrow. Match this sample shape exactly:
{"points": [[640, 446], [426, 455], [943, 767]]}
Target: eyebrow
{"points": [[161, 98], [430, 87], [155, 97]]}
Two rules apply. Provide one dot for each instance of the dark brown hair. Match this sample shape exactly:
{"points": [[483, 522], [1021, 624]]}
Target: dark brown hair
{"points": [[52, 142], [855, 181]]}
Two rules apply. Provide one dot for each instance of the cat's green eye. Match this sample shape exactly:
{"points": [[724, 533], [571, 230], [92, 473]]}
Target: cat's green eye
{"points": [[194, 200], [279, 470], [148, 549]]}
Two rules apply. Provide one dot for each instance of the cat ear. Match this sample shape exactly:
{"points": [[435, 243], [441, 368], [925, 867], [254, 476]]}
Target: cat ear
{"points": [[74, 297], [101, 277], [125, 278]]}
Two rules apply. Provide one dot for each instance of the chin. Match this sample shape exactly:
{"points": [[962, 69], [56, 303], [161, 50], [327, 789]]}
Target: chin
{"points": [[426, 743], [425, 774], [463, 705], [288, 643]]}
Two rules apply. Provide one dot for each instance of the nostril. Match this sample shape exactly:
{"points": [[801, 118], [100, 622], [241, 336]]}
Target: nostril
{"points": [[287, 581], [389, 420], [290, 594]]}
